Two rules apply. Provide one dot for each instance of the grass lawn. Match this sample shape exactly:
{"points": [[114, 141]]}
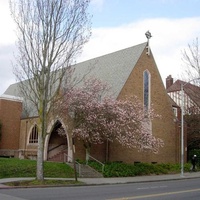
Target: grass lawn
{"points": [[11, 167]]}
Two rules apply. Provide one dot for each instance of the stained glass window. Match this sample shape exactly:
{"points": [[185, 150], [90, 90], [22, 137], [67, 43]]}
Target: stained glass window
{"points": [[146, 82]]}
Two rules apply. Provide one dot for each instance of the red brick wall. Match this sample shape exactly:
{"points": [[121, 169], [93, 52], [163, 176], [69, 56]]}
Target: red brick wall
{"points": [[10, 113], [98, 151]]}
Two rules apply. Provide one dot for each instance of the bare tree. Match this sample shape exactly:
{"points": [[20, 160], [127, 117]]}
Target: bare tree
{"points": [[191, 59], [193, 131], [51, 33]]}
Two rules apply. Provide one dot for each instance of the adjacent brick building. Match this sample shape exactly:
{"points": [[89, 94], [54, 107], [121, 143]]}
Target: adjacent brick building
{"points": [[10, 117]]}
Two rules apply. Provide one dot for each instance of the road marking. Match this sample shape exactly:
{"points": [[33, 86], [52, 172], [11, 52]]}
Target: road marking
{"points": [[151, 187], [155, 195]]}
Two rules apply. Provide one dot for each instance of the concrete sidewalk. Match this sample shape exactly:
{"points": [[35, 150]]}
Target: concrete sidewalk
{"points": [[116, 180], [138, 179]]}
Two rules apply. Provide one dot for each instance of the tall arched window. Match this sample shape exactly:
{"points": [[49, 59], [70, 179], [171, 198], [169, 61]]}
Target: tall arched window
{"points": [[146, 88], [34, 135]]}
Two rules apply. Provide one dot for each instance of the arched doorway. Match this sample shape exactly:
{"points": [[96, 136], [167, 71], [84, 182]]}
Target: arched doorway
{"points": [[57, 145]]}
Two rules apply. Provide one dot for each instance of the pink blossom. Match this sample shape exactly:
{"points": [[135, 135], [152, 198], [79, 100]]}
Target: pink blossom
{"points": [[98, 117]]}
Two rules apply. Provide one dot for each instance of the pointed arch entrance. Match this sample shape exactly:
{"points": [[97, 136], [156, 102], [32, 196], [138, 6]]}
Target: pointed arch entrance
{"points": [[57, 146]]}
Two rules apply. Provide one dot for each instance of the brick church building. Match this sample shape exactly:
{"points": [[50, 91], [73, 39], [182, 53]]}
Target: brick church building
{"points": [[128, 71]]}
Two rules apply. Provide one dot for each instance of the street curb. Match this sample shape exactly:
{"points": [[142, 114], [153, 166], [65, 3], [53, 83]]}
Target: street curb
{"points": [[84, 183]]}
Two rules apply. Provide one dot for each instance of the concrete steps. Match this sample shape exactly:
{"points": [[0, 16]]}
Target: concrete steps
{"points": [[59, 157], [85, 171]]}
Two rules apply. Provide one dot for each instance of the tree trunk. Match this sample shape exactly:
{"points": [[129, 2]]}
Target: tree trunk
{"points": [[87, 156], [41, 137], [74, 160], [40, 158]]}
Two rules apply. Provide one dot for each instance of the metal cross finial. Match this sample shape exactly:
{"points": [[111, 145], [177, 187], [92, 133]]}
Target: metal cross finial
{"points": [[148, 35]]}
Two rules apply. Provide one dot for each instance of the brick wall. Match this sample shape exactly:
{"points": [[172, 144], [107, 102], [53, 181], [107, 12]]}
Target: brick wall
{"points": [[164, 128], [27, 150], [10, 113]]}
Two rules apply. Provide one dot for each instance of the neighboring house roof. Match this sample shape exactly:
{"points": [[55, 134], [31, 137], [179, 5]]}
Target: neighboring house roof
{"points": [[173, 103], [176, 86], [191, 90], [113, 68]]}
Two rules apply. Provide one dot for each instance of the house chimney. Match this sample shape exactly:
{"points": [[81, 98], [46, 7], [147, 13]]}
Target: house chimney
{"points": [[169, 81]]}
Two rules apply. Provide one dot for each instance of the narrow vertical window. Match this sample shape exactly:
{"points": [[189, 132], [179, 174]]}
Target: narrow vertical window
{"points": [[34, 135], [146, 83]]}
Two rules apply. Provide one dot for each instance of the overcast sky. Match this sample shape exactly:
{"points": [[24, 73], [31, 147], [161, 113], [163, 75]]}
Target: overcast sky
{"points": [[118, 24]]}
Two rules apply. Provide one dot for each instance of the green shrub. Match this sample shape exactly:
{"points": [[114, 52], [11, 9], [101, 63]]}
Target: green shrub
{"points": [[95, 165], [11, 167], [119, 169]]}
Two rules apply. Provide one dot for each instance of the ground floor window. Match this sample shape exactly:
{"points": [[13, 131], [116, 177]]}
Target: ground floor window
{"points": [[34, 135]]}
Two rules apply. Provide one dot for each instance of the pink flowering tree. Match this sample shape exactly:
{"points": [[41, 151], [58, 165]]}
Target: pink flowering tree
{"points": [[98, 117]]}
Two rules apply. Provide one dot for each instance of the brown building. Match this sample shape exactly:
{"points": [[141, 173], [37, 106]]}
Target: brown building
{"points": [[131, 71], [10, 118], [190, 96], [187, 96]]}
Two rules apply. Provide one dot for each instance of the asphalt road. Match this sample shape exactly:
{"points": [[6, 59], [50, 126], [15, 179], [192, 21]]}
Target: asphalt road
{"points": [[180, 189]]}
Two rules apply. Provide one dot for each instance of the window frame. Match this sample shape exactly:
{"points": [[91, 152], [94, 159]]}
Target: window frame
{"points": [[33, 136], [146, 89]]}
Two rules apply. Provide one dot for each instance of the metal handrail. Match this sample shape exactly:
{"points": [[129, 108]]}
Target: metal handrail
{"points": [[79, 165], [55, 147], [103, 166]]}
